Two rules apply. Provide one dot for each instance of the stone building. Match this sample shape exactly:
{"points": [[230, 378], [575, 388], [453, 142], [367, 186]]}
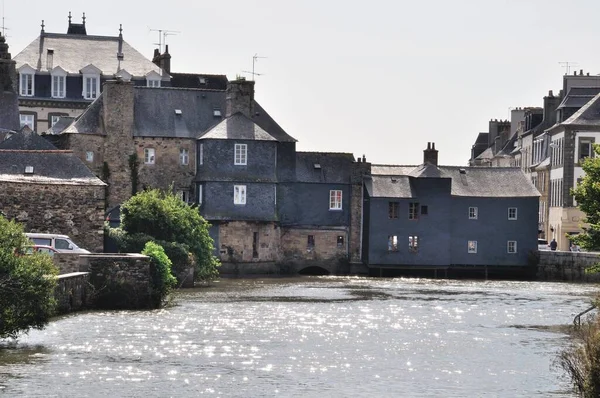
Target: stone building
{"points": [[61, 74], [50, 190]]}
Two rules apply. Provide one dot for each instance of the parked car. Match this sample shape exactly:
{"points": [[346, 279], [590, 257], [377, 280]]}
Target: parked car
{"points": [[40, 249], [543, 244], [61, 243]]}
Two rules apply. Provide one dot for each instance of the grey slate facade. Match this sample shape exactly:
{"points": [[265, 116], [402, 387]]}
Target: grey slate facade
{"points": [[431, 216]]}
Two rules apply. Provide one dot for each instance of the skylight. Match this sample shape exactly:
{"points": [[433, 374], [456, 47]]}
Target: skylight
{"points": [[178, 111]]}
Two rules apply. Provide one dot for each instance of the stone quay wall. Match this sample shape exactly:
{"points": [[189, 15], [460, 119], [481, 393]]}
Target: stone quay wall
{"points": [[71, 292], [68, 263], [567, 266]]}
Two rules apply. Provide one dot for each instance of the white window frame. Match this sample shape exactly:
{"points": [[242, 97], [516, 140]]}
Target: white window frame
{"points": [[54, 119], [239, 194], [26, 81], [184, 156], [201, 155], [89, 156], [153, 83], [91, 92], [413, 243], [149, 156], [512, 217], [392, 243], [199, 195], [335, 199], [58, 83], [511, 246], [24, 119], [240, 154], [472, 247], [473, 213]]}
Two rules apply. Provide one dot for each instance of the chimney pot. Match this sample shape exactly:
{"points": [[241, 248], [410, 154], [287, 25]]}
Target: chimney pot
{"points": [[580, 72], [550, 93]]}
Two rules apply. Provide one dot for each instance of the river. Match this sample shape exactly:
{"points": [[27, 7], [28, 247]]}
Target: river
{"points": [[308, 337]]}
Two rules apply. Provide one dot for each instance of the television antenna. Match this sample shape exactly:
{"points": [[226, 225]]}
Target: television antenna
{"points": [[3, 27], [255, 59], [162, 37], [567, 65]]}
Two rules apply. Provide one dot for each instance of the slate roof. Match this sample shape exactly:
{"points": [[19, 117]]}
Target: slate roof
{"points": [[155, 116], [50, 166], [238, 127], [9, 111], [487, 154], [155, 111], [74, 52], [578, 97], [494, 182], [333, 168], [199, 80], [588, 115], [389, 187], [61, 125], [27, 140]]}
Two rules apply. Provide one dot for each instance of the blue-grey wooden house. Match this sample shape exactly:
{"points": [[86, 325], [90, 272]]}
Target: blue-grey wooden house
{"points": [[431, 216]]}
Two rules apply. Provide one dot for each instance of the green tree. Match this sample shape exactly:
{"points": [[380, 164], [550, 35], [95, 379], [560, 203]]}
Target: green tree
{"points": [[27, 284], [163, 217], [587, 195]]}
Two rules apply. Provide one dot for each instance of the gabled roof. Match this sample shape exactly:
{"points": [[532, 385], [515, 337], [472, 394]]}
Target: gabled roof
{"points": [[496, 182], [588, 115], [487, 154], [89, 121], [74, 52], [389, 187], [264, 120], [27, 140], [238, 127], [63, 123], [324, 167]]}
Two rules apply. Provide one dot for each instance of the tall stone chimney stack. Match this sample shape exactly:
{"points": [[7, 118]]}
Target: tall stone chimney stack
{"points": [[430, 155], [9, 105], [240, 97]]}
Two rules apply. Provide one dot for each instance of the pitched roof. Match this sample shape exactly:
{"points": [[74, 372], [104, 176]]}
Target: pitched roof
{"points": [[324, 167], [27, 140], [61, 125], [389, 187], [74, 52], [199, 80], [238, 127], [578, 97], [264, 120], [89, 121], [588, 115], [172, 112], [466, 181], [49, 167]]}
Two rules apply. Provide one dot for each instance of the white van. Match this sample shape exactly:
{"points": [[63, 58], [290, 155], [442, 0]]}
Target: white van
{"points": [[62, 243]]}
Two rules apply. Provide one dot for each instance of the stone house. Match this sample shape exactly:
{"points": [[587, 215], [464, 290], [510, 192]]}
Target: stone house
{"points": [[61, 74], [50, 190], [430, 216]]}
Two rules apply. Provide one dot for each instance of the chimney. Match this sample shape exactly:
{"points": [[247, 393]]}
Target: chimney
{"points": [[240, 97], [550, 104], [163, 61], [430, 155], [9, 108]]}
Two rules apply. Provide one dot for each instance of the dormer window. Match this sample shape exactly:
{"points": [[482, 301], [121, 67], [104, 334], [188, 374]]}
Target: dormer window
{"points": [[124, 75], [153, 79], [26, 81], [59, 82], [91, 82]]}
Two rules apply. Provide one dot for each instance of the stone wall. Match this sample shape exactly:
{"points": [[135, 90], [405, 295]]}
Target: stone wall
{"points": [[236, 241], [120, 281], [359, 170], [67, 263], [294, 244], [71, 292], [74, 210], [567, 266], [167, 169]]}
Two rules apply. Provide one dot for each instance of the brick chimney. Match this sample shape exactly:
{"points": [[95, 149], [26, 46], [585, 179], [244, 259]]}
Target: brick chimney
{"points": [[551, 102], [240, 97], [430, 155]]}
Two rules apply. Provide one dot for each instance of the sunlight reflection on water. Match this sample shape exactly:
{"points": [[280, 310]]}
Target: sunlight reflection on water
{"points": [[308, 337]]}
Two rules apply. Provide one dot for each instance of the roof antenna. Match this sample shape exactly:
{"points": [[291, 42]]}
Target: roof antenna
{"points": [[567, 65], [162, 37], [254, 61], [4, 28]]}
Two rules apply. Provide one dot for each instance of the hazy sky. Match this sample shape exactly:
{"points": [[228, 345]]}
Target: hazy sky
{"points": [[380, 78]]}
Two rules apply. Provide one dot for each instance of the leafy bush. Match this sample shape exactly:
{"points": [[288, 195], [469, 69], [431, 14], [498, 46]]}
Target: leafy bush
{"points": [[163, 280], [27, 284], [164, 218]]}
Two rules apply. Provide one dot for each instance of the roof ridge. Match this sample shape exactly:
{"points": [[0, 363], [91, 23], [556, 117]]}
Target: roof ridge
{"points": [[179, 89], [37, 150]]}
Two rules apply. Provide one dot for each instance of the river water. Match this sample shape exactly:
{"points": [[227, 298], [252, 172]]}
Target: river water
{"points": [[306, 337]]}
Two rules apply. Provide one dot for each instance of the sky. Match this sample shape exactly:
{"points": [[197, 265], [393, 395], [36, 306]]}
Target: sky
{"points": [[375, 78]]}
